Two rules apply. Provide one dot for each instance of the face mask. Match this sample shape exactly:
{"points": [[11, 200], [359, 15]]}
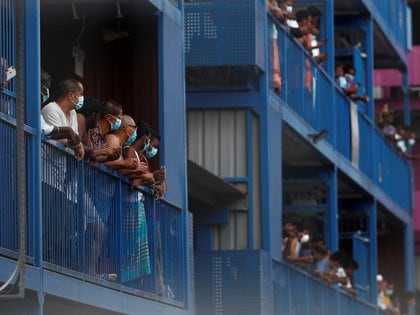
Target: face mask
{"points": [[146, 146], [131, 139], [45, 96], [389, 292], [152, 153], [411, 142], [402, 146], [397, 137], [116, 124], [304, 238], [289, 8], [79, 103], [350, 77]]}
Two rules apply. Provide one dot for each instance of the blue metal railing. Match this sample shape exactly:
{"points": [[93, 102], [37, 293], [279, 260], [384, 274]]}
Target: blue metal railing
{"points": [[8, 54], [95, 224], [306, 86], [250, 282], [314, 96], [393, 14], [297, 292], [9, 218]]}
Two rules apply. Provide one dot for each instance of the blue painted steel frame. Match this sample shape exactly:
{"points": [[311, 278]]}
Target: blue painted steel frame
{"points": [[264, 147], [172, 115], [376, 15], [373, 250], [332, 216], [409, 272], [249, 179]]}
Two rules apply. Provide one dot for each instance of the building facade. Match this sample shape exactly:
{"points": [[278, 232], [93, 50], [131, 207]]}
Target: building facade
{"points": [[244, 152]]}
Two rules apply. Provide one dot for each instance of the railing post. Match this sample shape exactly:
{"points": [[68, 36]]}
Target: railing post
{"points": [[119, 227], [373, 252], [81, 205], [406, 97], [409, 273], [331, 219], [368, 30]]}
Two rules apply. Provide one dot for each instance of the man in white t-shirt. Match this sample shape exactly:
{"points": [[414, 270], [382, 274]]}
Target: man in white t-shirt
{"points": [[62, 113]]}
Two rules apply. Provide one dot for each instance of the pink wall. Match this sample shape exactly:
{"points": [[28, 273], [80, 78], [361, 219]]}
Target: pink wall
{"points": [[392, 77]]}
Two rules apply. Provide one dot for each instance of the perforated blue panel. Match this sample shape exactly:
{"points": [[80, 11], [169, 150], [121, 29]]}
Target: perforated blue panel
{"points": [[224, 33], [233, 282]]}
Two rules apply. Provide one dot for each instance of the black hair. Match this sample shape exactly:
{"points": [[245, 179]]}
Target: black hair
{"points": [[321, 249], [67, 86], [346, 69], [111, 107], [143, 128], [155, 135], [314, 11], [410, 295], [302, 14], [45, 79], [91, 105], [351, 263], [340, 256]]}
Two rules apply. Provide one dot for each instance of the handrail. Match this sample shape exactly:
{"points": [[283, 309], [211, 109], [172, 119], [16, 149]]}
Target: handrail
{"points": [[309, 276]]}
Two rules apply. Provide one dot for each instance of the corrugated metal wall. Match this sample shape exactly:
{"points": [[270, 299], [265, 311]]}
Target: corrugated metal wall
{"points": [[217, 141]]}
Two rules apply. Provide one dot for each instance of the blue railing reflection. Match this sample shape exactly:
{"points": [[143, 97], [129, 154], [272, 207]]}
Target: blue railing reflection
{"points": [[96, 225]]}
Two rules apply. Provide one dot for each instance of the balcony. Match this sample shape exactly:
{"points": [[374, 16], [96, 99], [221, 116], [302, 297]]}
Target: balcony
{"points": [[215, 37], [391, 27], [249, 282], [351, 133], [94, 224]]}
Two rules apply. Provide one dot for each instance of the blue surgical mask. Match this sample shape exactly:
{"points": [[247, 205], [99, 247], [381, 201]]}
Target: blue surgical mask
{"points": [[116, 124], [45, 96], [146, 146], [131, 139], [152, 153], [411, 142], [79, 103]]}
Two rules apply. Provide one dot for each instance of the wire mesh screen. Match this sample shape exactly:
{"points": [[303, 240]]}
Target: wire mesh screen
{"points": [[8, 55], [136, 221], [9, 225], [59, 207], [171, 236]]}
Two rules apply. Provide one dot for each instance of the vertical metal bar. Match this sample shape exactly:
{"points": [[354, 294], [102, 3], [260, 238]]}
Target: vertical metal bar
{"points": [[369, 66], [20, 139], [81, 211], [250, 180], [118, 227], [409, 273], [406, 98], [329, 33], [373, 250], [32, 81], [333, 211], [263, 137]]}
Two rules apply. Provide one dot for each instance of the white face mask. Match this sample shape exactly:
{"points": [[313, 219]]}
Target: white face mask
{"points": [[289, 8], [411, 142], [304, 238]]}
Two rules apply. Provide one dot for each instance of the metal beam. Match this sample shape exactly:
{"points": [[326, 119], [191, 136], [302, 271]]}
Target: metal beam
{"points": [[222, 100]]}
